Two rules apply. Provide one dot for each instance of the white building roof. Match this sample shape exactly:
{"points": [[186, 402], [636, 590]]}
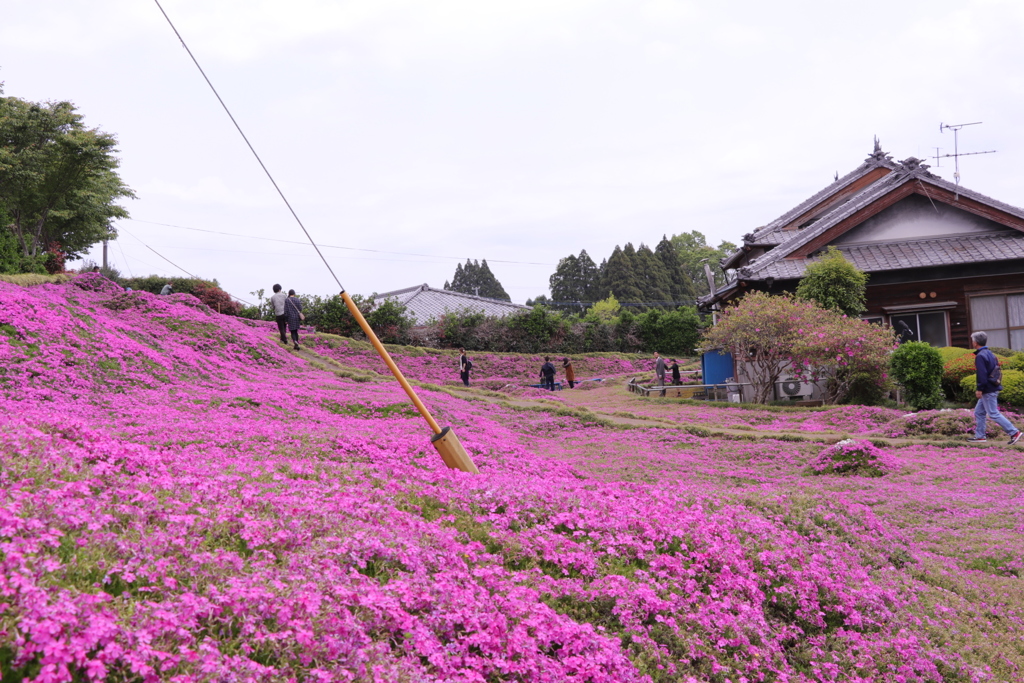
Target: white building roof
{"points": [[423, 303]]}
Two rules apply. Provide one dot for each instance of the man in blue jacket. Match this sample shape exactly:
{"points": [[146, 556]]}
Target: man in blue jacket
{"points": [[989, 375]]}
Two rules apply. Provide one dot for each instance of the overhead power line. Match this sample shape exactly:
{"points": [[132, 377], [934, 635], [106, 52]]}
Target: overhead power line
{"points": [[333, 246], [191, 275]]}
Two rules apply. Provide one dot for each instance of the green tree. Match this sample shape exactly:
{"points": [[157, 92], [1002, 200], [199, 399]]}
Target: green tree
{"points": [[477, 279], [619, 277], [834, 283], [918, 367], [574, 280], [681, 288], [58, 179], [655, 282], [605, 310], [694, 252]]}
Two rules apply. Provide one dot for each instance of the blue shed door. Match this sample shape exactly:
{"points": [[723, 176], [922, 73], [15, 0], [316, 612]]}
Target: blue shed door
{"points": [[716, 367]]}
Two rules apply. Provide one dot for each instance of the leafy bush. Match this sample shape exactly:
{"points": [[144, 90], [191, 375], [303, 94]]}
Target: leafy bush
{"points": [[12, 258], [948, 353], [216, 298], [1002, 351], [953, 373], [918, 367], [852, 457], [835, 284], [865, 389], [1014, 362], [1013, 387]]}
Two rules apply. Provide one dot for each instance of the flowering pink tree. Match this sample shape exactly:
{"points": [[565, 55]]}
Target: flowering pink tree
{"points": [[841, 351], [774, 335]]}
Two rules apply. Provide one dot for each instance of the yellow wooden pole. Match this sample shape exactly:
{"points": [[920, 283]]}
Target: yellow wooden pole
{"points": [[444, 440]]}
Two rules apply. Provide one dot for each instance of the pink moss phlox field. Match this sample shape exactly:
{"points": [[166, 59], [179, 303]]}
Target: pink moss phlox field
{"points": [[181, 499]]}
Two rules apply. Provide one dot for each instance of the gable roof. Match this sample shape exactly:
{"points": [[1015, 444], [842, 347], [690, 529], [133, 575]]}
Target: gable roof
{"points": [[423, 302], [793, 239]]}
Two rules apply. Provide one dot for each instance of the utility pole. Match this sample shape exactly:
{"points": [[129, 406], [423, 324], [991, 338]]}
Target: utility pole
{"points": [[105, 254]]}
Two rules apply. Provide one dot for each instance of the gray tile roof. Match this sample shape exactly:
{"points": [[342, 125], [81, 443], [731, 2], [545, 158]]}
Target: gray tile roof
{"points": [[944, 251], [776, 264], [423, 302]]}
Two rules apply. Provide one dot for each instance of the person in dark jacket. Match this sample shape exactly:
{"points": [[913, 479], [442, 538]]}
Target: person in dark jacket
{"points": [[987, 368], [547, 374], [674, 367], [293, 311], [570, 375], [464, 367]]}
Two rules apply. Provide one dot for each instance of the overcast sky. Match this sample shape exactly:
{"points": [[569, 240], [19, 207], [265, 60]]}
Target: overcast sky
{"points": [[519, 132]]}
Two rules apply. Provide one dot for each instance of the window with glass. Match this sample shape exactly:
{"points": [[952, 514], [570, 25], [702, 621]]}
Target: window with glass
{"points": [[1002, 317], [928, 327]]}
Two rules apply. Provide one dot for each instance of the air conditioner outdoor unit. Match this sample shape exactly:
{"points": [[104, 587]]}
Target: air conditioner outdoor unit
{"points": [[791, 388]]}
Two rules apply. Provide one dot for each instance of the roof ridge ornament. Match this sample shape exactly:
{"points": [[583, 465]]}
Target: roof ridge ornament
{"points": [[877, 155], [916, 166]]}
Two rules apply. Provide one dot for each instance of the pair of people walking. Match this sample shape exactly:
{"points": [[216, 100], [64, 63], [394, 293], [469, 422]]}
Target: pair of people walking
{"points": [[547, 373], [287, 314]]}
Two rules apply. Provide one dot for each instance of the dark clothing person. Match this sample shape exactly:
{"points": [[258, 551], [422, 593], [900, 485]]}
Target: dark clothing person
{"points": [[988, 371], [465, 365], [675, 372], [293, 312], [570, 376], [547, 375]]}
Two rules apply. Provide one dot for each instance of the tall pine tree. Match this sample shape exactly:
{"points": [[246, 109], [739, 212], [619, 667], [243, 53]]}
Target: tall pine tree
{"points": [[681, 289], [477, 279], [654, 280], [620, 278]]}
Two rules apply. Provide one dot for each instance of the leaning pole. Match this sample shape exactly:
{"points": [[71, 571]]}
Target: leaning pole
{"points": [[447, 444]]}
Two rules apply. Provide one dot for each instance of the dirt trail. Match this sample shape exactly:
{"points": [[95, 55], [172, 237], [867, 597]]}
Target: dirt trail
{"points": [[329, 365]]}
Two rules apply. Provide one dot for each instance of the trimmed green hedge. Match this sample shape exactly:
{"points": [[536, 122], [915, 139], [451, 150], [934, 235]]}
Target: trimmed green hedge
{"points": [[1013, 388]]}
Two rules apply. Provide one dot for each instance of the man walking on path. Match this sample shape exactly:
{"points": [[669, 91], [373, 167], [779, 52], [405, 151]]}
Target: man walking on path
{"points": [[465, 365], [659, 370], [675, 371], [989, 385], [547, 374], [280, 318]]}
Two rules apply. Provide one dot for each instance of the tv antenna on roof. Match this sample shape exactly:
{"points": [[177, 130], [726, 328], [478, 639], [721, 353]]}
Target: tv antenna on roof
{"points": [[955, 127]]}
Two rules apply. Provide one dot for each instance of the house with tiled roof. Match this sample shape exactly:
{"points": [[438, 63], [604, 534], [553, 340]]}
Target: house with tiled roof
{"points": [[424, 303], [943, 259]]}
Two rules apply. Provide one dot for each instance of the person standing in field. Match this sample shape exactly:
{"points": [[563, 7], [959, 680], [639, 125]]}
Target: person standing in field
{"points": [[293, 311], [547, 374], [989, 385], [659, 370], [465, 365], [674, 366], [277, 300], [570, 376]]}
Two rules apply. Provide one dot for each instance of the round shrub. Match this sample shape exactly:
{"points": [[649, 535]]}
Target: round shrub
{"points": [[1013, 387], [918, 367], [953, 373], [852, 457], [1014, 362], [948, 353], [1002, 351]]}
